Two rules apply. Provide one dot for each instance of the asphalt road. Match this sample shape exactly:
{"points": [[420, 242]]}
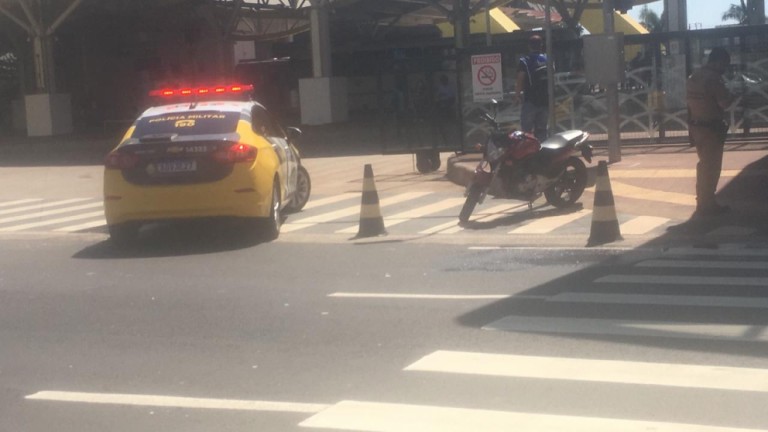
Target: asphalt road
{"points": [[479, 329], [191, 334]]}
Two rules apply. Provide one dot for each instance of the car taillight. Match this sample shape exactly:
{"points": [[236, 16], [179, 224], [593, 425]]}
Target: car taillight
{"points": [[235, 153], [121, 160]]}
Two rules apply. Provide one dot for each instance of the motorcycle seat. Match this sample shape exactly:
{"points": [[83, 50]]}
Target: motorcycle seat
{"points": [[562, 139]]}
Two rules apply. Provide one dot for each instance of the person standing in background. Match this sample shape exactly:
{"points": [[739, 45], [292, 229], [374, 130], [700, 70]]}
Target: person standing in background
{"points": [[532, 84], [707, 99]]}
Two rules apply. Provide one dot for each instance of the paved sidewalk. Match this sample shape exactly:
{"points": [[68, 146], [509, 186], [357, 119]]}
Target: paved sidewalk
{"points": [[660, 181], [650, 181]]}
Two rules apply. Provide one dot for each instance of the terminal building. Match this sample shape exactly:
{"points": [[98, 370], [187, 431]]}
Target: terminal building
{"points": [[82, 64]]}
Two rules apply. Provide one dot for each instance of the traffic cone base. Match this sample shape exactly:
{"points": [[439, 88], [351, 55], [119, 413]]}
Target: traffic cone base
{"points": [[605, 224], [371, 221]]}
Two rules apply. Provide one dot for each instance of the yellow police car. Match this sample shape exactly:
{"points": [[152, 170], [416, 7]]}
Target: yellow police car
{"points": [[205, 155]]}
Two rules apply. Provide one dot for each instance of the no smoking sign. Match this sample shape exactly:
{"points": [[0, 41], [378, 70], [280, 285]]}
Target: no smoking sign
{"points": [[486, 77]]}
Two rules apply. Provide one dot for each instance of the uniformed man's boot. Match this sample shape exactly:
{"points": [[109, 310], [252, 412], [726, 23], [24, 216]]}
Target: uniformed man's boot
{"points": [[713, 209]]}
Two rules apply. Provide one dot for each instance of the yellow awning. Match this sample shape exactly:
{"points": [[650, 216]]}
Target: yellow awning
{"points": [[500, 23], [592, 20]]}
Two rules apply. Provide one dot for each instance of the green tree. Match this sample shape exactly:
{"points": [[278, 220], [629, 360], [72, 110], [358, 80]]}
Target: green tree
{"points": [[736, 12], [746, 12], [651, 20]]}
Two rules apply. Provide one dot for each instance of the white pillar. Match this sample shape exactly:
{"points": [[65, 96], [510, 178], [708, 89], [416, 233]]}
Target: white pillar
{"points": [[674, 63], [757, 17], [48, 114], [321, 39], [323, 98], [612, 96], [677, 15]]}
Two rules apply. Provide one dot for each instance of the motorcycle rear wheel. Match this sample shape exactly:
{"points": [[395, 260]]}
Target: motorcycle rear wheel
{"points": [[569, 187], [473, 197]]}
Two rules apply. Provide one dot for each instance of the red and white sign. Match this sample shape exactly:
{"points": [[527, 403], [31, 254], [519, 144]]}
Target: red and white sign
{"points": [[486, 77]]}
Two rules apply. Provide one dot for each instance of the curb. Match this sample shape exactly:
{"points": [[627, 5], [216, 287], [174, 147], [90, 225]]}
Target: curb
{"points": [[461, 168]]}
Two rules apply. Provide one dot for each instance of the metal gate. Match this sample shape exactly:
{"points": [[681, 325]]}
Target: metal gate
{"points": [[652, 95]]}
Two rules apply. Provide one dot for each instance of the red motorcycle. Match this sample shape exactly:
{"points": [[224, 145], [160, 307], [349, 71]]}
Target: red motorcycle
{"points": [[516, 165]]}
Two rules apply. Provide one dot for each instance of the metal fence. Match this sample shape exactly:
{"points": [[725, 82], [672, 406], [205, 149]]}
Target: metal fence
{"points": [[652, 95]]}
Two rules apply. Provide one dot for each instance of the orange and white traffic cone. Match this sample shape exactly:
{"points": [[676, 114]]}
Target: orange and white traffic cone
{"points": [[371, 221], [605, 224]]}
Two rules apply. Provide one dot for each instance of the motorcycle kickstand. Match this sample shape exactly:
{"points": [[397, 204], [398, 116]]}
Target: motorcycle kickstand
{"points": [[530, 205]]}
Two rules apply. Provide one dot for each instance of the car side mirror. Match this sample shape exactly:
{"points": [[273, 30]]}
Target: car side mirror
{"points": [[293, 133]]}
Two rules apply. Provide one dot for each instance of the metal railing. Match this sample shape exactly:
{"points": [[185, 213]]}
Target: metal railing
{"points": [[652, 95]]}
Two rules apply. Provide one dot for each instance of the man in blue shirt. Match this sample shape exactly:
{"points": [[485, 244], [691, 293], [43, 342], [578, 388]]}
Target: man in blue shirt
{"points": [[532, 84]]}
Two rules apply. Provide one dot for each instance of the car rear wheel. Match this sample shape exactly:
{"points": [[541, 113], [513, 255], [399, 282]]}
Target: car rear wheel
{"points": [[125, 234], [271, 225], [303, 189]]}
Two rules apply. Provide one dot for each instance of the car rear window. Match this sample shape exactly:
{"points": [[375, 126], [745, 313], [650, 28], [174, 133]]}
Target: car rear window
{"points": [[188, 123]]}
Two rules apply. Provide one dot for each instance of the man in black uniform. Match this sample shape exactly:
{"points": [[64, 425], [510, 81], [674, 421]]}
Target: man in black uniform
{"points": [[707, 99]]}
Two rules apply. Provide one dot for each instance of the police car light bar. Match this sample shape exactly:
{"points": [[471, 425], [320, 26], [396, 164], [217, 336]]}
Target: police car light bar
{"points": [[202, 91]]}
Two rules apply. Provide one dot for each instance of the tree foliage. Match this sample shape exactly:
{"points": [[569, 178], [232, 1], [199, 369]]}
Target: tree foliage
{"points": [[651, 20], [744, 13]]}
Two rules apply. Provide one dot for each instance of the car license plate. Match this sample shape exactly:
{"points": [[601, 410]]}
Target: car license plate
{"points": [[176, 166]]}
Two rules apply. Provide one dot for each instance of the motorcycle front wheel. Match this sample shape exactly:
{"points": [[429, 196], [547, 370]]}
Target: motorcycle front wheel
{"points": [[569, 187], [473, 197]]}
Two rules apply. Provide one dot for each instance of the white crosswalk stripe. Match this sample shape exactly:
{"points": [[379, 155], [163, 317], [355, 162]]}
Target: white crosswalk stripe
{"points": [[17, 202], [38, 207], [346, 212], [390, 417], [57, 211], [737, 292], [49, 222], [549, 224], [642, 225], [606, 371], [84, 226], [704, 264], [418, 212], [414, 213], [21, 215], [481, 215], [684, 280]]}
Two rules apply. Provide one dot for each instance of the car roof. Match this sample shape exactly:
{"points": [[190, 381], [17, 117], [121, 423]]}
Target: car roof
{"points": [[221, 106]]}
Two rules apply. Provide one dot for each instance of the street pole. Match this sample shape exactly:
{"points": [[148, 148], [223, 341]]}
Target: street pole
{"points": [[550, 69], [612, 95], [488, 41]]}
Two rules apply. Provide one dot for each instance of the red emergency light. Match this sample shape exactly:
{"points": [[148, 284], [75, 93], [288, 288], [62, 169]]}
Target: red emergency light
{"points": [[202, 91]]}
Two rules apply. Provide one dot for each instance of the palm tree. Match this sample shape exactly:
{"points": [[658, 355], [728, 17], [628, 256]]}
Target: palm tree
{"points": [[746, 12], [651, 20], [736, 13]]}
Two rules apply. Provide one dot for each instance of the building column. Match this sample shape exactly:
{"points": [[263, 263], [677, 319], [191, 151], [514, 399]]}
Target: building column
{"points": [[323, 97], [674, 64], [46, 112], [758, 16], [321, 39], [677, 15], [613, 123], [461, 15]]}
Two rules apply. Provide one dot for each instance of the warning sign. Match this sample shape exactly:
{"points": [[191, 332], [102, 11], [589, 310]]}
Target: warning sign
{"points": [[486, 77]]}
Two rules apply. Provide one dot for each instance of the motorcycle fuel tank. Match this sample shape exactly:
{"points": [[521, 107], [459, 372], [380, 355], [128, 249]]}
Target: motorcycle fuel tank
{"points": [[525, 145]]}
